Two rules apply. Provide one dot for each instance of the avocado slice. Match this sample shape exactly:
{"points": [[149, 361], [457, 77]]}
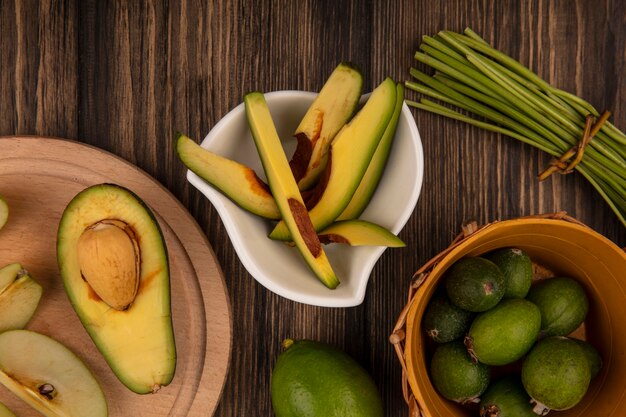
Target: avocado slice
{"points": [[48, 376], [335, 104], [105, 225], [4, 212], [350, 154], [19, 297], [359, 233], [236, 181], [284, 188], [375, 169]]}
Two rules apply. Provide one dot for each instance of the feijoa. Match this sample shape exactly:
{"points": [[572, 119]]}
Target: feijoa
{"points": [[563, 305], [474, 284], [593, 356], [517, 268], [443, 321], [556, 374], [454, 374], [505, 333], [506, 397]]}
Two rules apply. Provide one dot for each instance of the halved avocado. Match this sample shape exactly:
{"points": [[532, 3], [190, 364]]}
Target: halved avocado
{"points": [[335, 104], [359, 233], [4, 212], [236, 181], [19, 297], [375, 169], [114, 265], [350, 155], [284, 188]]}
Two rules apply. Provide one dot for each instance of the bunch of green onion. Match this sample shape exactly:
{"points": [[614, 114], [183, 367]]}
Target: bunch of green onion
{"points": [[497, 93]]}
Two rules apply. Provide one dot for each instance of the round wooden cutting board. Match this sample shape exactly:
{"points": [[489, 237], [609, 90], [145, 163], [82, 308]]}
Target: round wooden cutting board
{"points": [[38, 178]]}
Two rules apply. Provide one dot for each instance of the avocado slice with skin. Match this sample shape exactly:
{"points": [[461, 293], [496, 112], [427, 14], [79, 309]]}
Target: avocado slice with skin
{"points": [[4, 212], [284, 188], [106, 225], [48, 376], [236, 181], [359, 233], [376, 167], [350, 154], [335, 104], [19, 297]]}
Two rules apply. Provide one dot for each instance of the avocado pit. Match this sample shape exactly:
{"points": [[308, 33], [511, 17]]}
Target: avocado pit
{"points": [[109, 260]]}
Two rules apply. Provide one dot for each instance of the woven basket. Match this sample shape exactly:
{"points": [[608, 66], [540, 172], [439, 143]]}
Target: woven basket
{"points": [[561, 244]]}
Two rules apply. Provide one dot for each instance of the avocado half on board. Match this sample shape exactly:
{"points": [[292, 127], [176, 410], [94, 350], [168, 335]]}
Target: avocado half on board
{"points": [[114, 265]]}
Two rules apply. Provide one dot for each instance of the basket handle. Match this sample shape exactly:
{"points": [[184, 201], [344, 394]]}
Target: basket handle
{"points": [[398, 336]]}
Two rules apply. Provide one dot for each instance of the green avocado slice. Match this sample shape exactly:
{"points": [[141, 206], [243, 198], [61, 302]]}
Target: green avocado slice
{"points": [[375, 169], [359, 233], [350, 154], [284, 188], [137, 341], [335, 104], [236, 181]]}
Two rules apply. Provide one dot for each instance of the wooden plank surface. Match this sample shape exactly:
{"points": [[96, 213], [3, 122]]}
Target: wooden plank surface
{"points": [[125, 76]]}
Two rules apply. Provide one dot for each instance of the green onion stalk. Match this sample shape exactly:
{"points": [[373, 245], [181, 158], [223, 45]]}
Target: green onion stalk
{"points": [[477, 84]]}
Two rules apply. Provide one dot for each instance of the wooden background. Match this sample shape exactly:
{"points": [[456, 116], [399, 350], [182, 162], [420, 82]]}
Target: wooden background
{"points": [[125, 76]]}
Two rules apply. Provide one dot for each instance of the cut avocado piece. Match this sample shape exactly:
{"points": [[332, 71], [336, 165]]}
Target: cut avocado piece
{"points": [[375, 169], [19, 297], [107, 225], [48, 376], [4, 212], [350, 155], [5, 412], [335, 104], [284, 188], [359, 233], [236, 181]]}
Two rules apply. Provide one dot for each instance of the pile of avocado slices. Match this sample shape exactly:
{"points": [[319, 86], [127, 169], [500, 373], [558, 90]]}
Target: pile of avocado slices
{"points": [[316, 198]]}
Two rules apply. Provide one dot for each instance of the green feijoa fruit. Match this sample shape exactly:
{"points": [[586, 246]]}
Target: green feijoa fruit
{"points": [[563, 305], [556, 374], [505, 333], [454, 374], [593, 356], [444, 321], [311, 378], [474, 284], [517, 268], [506, 397]]}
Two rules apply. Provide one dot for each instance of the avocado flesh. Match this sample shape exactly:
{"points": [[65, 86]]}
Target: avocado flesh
{"points": [[332, 108], [350, 154], [236, 181], [376, 167], [359, 233], [138, 342], [4, 212], [284, 188], [19, 297], [48, 376]]}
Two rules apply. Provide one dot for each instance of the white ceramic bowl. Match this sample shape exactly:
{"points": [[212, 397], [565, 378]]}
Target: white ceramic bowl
{"points": [[281, 268]]}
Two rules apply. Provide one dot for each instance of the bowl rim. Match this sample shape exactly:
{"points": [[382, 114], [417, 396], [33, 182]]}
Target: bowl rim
{"points": [[218, 199]]}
